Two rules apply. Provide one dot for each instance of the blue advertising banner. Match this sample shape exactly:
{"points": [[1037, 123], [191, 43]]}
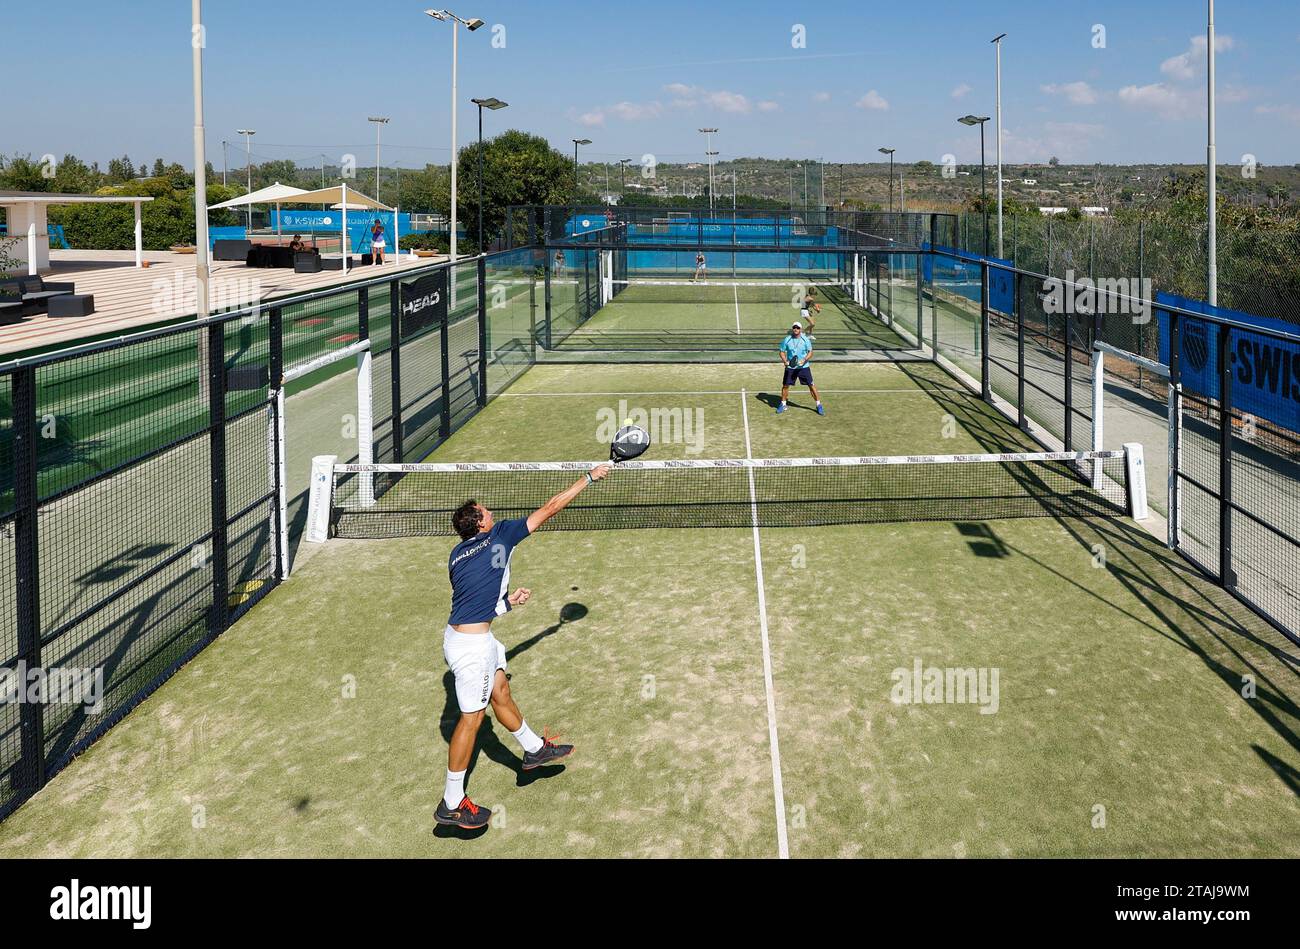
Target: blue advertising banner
{"points": [[963, 276], [1265, 370]]}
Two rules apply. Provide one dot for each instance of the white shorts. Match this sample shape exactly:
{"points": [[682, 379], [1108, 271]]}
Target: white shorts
{"points": [[474, 659], [378, 245], [804, 314]]}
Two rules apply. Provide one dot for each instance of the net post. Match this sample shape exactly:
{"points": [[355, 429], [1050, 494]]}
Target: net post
{"points": [[1098, 378], [1174, 491], [216, 373], [482, 332], [1136, 472], [1227, 576], [445, 357], [986, 389], [395, 365], [320, 498], [31, 775]]}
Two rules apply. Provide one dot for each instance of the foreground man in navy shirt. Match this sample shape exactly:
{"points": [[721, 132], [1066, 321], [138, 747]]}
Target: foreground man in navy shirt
{"points": [[479, 567]]}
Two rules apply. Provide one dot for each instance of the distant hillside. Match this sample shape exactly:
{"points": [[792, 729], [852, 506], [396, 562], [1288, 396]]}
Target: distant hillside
{"points": [[924, 185]]}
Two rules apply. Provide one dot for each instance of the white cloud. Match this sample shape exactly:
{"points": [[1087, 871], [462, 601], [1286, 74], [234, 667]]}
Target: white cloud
{"points": [[768, 106], [1078, 93], [626, 111], [873, 100], [960, 90], [1287, 113], [1187, 65], [1161, 98], [689, 97], [822, 97]]}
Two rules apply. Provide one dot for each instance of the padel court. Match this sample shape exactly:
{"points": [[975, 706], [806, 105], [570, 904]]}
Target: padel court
{"points": [[953, 684]]}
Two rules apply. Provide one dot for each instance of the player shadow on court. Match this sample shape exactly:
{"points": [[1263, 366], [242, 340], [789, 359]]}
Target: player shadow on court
{"points": [[487, 741], [772, 400]]}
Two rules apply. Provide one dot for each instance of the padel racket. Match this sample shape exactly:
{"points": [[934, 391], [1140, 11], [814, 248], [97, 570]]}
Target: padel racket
{"points": [[630, 442]]}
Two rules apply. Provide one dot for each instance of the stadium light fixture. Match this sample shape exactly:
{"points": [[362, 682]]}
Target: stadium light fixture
{"points": [[471, 24], [494, 104], [890, 153], [984, 201]]}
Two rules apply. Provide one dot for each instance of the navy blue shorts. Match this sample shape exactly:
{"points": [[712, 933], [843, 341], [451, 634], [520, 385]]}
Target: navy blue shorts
{"points": [[802, 374]]}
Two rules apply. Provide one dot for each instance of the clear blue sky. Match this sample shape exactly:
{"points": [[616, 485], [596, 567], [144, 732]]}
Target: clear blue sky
{"points": [[102, 80]]}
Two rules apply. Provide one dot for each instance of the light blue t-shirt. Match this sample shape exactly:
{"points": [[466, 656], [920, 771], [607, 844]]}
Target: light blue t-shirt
{"points": [[795, 349]]}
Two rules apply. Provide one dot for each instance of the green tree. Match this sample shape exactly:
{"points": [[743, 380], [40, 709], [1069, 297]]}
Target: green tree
{"points": [[518, 168]]}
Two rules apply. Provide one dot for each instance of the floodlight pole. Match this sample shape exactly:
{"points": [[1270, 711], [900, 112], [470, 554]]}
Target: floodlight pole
{"points": [[200, 171], [890, 153], [380, 122], [709, 152], [997, 41], [248, 150], [1211, 182]]}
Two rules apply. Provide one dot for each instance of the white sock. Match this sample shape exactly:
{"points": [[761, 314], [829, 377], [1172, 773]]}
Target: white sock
{"points": [[527, 738], [819, 401], [455, 790]]}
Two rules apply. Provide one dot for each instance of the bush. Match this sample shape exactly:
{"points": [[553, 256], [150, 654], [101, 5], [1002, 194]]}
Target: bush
{"points": [[429, 240]]}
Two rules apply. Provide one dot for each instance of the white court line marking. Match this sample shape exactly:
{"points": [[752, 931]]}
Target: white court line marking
{"points": [[735, 292], [782, 841]]}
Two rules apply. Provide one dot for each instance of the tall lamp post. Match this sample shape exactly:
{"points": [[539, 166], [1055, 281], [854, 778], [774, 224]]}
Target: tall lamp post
{"points": [[997, 111], [576, 143], [380, 121], [622, 177], [324, 159], [890, 153], [471, 24], [248, 150], [1211, 181], [494, 104], [709, 152], [984, 201], [200, 174]]}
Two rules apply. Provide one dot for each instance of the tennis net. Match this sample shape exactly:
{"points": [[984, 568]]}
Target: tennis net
{"points": [[371, 501], [729, 292]]}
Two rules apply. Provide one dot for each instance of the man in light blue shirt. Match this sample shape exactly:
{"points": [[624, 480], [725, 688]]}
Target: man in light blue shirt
{"points": [[796, 350]]}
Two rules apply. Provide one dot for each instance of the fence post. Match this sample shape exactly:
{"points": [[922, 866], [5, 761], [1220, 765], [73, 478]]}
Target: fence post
{"points": [[482, 332], [216, 369], [275, 367], [31, 776], [986, 391], [1141, 292], [395, 365], [444, 343], [1015, 238], [1049, 245], [1020, 365], [1068, 433], [546, 272], [1227, 576], [920, 303], [1175, 429]]}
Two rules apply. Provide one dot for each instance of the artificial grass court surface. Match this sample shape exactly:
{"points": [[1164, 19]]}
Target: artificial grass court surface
{"points": [[1119, 687]]}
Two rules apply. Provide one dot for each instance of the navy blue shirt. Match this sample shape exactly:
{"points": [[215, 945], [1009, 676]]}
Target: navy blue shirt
{"points": [[480, 573]]}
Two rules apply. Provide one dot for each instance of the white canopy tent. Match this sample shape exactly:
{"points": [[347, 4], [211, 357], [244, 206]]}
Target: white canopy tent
{"points": [[277, 194], [342, 198]]}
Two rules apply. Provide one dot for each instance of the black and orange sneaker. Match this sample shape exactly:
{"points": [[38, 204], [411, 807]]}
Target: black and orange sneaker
{"points": [[549, 752], [467, 815]]}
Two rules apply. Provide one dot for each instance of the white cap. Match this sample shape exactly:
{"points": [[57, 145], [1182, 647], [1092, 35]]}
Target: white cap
{"points": [[796, 325]]}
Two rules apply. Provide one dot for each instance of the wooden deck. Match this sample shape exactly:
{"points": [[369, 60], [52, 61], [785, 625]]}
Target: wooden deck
{"points": [[128, 299]]}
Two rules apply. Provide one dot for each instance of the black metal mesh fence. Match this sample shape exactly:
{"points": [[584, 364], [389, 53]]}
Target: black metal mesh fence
{"points": [[140, 489]]}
